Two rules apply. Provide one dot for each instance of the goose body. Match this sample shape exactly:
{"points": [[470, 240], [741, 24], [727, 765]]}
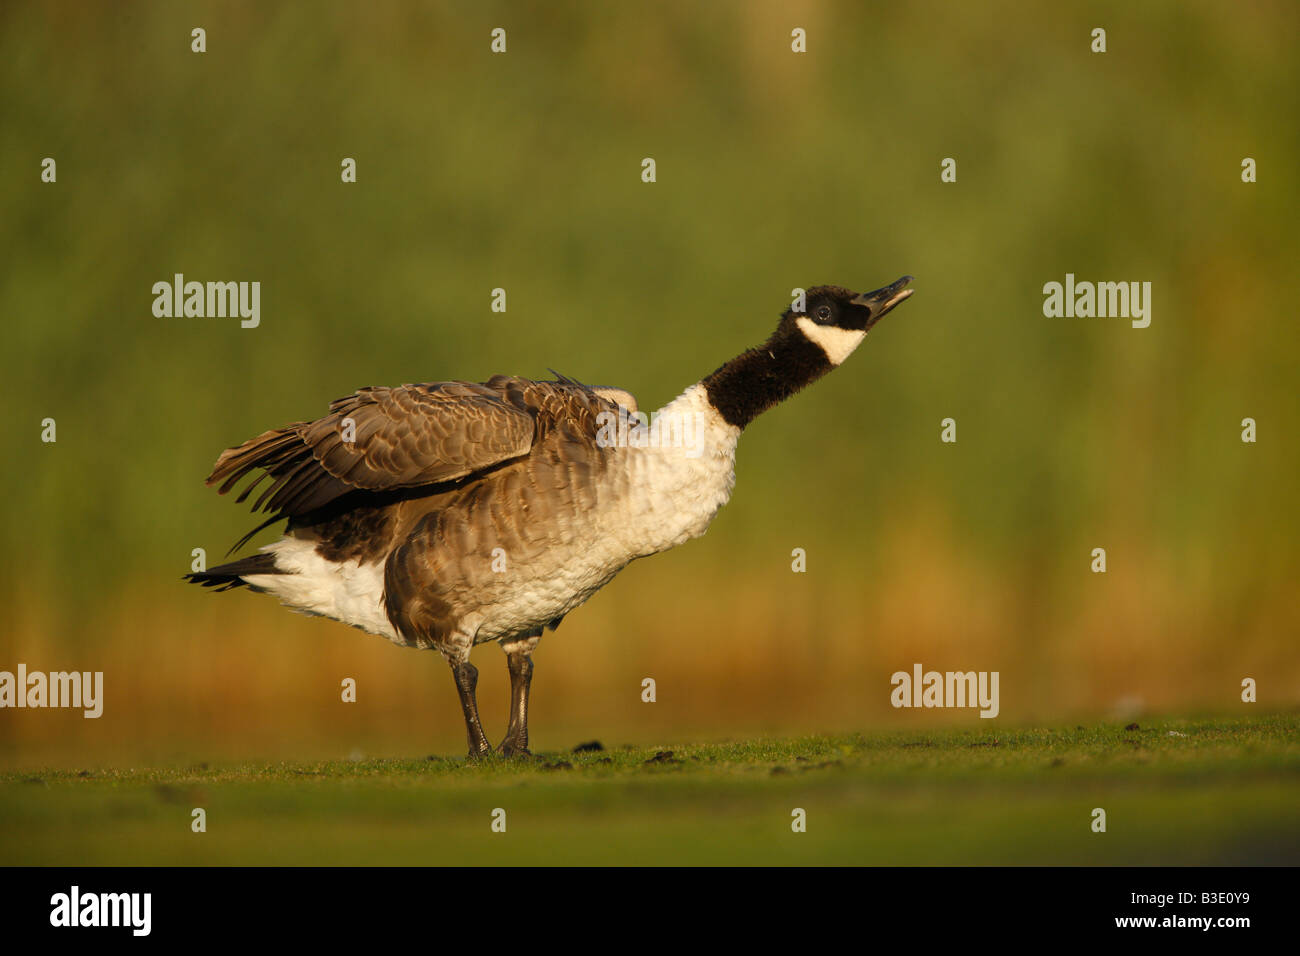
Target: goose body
{"points": [[516, 550], [450, 514]]}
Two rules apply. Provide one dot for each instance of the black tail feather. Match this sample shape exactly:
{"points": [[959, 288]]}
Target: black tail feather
{"points": [[226, 576]]}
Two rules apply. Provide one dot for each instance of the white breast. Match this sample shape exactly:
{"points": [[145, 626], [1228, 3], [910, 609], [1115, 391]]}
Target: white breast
{"points": [[675, 490], [649, 500]]}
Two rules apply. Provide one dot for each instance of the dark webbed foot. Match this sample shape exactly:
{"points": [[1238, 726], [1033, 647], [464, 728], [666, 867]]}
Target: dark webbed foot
{"points": [[515, 750]]}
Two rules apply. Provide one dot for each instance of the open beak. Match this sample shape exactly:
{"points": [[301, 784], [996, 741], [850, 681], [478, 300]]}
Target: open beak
{"points": [[882, 300]]}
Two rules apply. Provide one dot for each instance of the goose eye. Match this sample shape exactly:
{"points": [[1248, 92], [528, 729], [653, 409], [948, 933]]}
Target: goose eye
{"points": [[824, 313]]}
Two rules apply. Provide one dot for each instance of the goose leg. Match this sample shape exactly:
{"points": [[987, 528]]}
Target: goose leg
{"points": [[519, 659], [466, 675]]}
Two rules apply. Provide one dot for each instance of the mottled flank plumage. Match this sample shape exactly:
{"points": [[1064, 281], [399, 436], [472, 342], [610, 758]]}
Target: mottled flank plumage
{"points": [[448, 514]]}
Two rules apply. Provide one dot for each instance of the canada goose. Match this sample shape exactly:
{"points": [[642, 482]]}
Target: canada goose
{"points": [[449, 514]]}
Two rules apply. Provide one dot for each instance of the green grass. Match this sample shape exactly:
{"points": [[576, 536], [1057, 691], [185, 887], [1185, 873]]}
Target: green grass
{"points": [[1175, 792]]}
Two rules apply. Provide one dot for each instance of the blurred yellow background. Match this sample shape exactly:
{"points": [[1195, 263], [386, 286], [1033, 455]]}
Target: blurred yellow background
{"points": [[774, 170]]}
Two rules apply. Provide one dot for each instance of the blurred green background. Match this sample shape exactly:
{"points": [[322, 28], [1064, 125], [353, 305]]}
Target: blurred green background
{"points": [[775, 170]]}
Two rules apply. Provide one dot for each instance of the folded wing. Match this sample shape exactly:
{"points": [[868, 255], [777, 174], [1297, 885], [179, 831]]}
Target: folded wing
{"points": [[382, 439], [379, 439]]}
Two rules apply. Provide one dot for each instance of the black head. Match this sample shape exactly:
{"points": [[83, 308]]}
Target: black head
{"points": [[837, 319], [807, 344], [845, 309]]}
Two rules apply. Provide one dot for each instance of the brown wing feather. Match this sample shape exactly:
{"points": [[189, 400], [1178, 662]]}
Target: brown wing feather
{"points": [[404, 437], [409, 436]]}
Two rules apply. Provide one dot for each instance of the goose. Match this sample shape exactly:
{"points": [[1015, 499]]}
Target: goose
{"points": [[449, 514]]}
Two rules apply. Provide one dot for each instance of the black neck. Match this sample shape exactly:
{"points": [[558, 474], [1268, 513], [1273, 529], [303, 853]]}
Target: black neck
{"points": [[755, 380]]}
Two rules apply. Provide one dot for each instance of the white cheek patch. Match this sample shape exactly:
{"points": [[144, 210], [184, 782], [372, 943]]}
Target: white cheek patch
{"points": [[837, 343]]}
